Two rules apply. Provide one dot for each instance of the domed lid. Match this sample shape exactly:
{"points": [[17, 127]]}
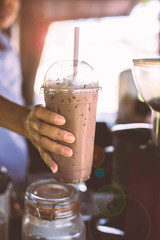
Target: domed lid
{"points": [[61, 75], [48, 199]]}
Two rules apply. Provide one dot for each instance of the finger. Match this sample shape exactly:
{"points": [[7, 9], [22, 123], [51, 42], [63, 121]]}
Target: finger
{"points": [[55, 133], [40, 141], [48, 160], [51, 131], [48, 116], [54, 147]]}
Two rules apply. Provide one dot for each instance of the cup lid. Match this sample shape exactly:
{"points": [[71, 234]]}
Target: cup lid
{"points": [[61, 75], [48, 199]]}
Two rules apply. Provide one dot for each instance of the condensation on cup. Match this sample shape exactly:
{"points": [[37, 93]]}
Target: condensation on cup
{"points": [[73, 94]]}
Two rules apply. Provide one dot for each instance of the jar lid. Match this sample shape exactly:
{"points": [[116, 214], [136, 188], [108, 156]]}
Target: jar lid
{"points": [[48, 199]]}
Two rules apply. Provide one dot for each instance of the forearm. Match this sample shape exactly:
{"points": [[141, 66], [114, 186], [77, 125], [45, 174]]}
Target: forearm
{"points": [[12, 116]]}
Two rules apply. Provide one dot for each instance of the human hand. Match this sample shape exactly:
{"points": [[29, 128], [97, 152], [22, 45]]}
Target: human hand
{"points": [[41, 128]]}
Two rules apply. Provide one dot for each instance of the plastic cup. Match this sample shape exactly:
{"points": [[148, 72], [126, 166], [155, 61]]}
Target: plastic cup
{"points": [[74, 97]]}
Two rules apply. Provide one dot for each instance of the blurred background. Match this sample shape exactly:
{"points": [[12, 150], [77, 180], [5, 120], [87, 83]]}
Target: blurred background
{"points": [[112, 33]]}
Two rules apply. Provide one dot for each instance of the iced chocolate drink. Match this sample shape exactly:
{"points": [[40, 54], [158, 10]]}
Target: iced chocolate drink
{"points": [[78, 105]]}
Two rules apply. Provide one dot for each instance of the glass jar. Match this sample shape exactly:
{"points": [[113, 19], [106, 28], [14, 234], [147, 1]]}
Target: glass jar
{"points": [[52, 212]]}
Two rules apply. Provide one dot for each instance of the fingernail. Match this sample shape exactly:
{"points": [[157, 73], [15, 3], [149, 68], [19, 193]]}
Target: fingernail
{"points": [[67, 152], [60, 120], [69, 138], [54, 170]]}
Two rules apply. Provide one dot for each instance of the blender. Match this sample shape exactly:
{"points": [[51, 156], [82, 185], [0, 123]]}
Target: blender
{"points": [[146, 74], [136, 160]]}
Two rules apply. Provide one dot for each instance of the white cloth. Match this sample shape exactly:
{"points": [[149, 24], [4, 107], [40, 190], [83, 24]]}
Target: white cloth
{"points": [[13, 147]]}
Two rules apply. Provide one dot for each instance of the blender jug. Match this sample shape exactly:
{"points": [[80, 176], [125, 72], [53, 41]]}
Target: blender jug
{"points": [[146, 74]]}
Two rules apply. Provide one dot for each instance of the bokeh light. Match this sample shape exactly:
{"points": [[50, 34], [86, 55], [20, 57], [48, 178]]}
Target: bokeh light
{"points": [[99, 172], [40, 15], [98, 156], [40, 36], [110, 200]]}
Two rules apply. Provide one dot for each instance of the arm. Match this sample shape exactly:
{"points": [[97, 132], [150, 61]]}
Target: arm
{"points": [[13, 116], [40, 126]]}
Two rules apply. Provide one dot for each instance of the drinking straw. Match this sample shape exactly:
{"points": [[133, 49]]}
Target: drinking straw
{"points": [[76, 48]]}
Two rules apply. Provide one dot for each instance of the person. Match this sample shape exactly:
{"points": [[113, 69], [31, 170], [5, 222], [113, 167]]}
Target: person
{"points": [[19, 122]]}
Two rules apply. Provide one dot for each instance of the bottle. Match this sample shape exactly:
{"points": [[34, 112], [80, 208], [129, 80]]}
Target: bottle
{"points": [[52, 212]]}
